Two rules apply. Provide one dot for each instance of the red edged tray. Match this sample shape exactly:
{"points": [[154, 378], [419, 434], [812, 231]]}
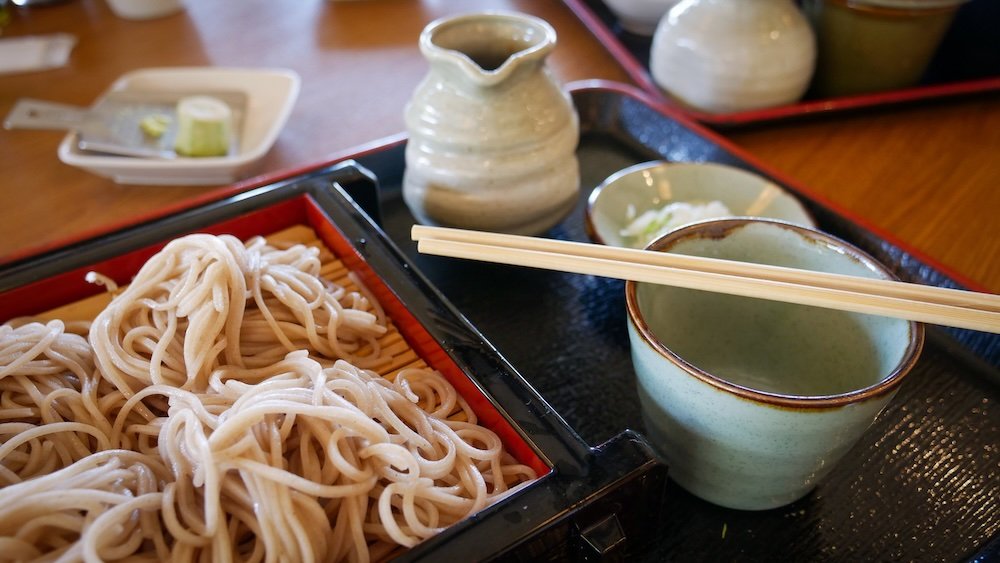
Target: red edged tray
{"points": [[968, 62], [572, 510]]}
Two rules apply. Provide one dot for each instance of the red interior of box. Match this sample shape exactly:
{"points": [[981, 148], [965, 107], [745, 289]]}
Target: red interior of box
{"points": [[71, 286]]}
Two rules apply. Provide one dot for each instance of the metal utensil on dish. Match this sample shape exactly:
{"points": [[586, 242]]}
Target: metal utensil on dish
{"points": [[113, 125]]}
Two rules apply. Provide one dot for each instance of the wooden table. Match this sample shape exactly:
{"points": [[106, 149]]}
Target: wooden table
{"points": [[928, 175]]}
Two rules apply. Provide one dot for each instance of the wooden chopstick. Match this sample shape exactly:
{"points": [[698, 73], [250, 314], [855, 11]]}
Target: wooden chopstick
{"points": [[943, 306], [945, 296]]}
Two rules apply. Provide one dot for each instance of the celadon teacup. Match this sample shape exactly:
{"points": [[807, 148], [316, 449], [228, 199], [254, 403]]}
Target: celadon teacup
{"points": [[753, 401]]}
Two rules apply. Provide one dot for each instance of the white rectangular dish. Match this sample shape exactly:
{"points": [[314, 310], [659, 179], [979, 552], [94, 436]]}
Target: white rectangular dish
{"points": [[271, 94]]}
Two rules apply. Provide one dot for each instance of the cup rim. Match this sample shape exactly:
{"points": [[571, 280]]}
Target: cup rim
{"points": [[719, 227]]}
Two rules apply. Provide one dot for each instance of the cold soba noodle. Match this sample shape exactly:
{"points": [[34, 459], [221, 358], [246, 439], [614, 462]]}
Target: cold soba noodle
{"points": [[222, 407]]}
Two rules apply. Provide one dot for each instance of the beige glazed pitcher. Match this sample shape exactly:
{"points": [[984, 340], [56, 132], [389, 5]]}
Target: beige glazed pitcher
{"points": [[492, 135]]}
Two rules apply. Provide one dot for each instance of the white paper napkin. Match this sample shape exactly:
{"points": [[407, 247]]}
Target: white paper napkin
{"points": [[35, 52]]}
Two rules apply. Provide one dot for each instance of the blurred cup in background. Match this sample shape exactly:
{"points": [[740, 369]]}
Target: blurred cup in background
{"points": [[875, 45], [639, 16], [145, 9]]}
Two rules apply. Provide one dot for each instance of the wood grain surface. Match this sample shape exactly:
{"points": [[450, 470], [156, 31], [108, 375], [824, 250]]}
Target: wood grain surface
{"points": [[927, 175]]}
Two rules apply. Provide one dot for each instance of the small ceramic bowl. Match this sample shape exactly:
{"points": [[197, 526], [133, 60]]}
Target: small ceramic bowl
{"points": [[628, 193], [270, 97], [752, 401]]}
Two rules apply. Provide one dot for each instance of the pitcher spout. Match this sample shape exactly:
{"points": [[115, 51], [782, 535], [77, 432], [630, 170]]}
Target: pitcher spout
{"points": [[490, 47]]}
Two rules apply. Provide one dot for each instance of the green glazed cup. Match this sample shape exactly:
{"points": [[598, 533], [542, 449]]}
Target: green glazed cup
{"points": [[752, 401], [866, 46]]}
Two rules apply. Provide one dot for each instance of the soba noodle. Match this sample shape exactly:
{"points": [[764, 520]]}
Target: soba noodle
{"points": [[206, 301], [222, 410], [50, 400]]}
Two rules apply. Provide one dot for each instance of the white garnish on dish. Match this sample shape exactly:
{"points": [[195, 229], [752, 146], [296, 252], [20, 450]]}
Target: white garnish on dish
{"points": [[655, 223]]}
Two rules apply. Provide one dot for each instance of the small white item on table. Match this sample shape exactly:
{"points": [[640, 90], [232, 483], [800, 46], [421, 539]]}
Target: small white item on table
{"points": [[145, 9], [35, 52]]}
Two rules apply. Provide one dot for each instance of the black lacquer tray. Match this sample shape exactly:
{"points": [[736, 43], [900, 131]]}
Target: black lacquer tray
{"points": [[589, 502], [551, 349], [922, 485]]}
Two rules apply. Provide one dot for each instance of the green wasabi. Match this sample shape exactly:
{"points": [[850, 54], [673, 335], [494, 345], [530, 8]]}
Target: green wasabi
{"points": [[155, 125]]}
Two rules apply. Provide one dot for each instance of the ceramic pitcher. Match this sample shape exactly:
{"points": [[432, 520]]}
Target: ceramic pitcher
{"points": [[492, 135]]}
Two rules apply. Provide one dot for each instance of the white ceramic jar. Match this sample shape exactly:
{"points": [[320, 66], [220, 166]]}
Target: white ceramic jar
{"points": [[724, 56], [492, 136]]}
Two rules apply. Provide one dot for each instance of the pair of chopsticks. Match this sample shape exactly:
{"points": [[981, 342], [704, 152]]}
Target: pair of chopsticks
{"points": [[914, 302]]}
